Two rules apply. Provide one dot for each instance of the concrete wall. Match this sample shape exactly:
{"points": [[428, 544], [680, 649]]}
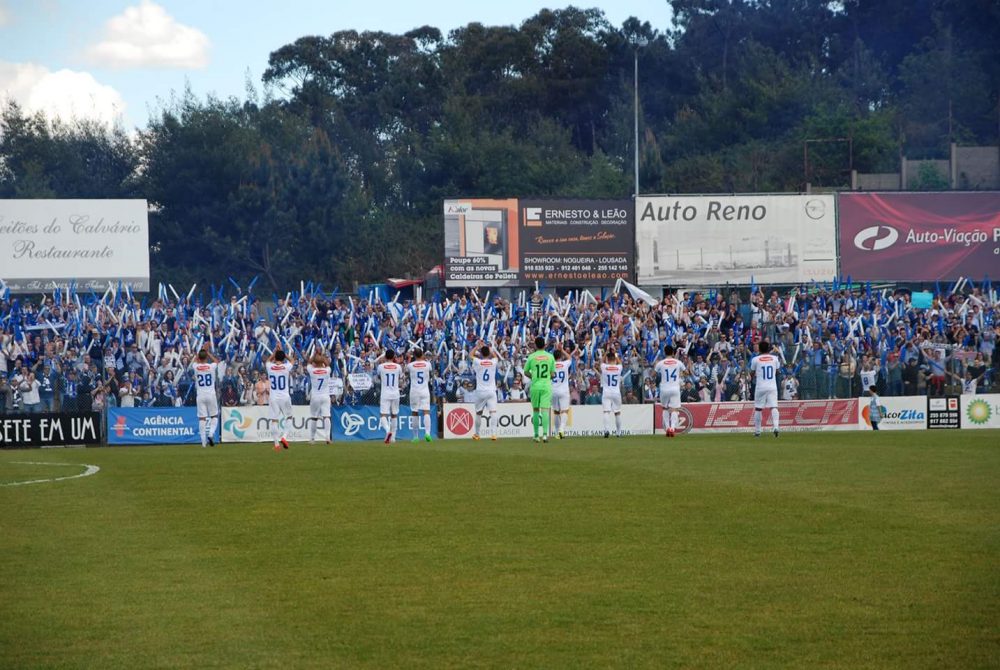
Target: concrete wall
{"points": [[876, 181], [968, 169], [977, 168]]}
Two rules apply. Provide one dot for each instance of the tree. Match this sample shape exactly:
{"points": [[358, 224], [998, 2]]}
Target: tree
{"points": [[76, 159]]}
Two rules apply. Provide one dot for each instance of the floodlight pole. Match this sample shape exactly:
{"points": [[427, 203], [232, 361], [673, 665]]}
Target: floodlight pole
{"points": [[635, 105]]}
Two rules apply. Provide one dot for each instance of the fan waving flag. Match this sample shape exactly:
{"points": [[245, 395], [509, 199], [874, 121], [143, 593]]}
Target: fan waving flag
{"points": [[921, 299], [638, 294]]}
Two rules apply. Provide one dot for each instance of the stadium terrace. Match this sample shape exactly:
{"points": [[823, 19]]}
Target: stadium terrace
{"points": [[71, 351]]}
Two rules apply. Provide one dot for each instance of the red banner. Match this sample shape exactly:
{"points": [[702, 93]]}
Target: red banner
{"points": [[919, 236], [737, 417]]}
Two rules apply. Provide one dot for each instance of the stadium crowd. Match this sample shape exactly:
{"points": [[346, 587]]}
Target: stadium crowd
{"points": [[69, 351]]}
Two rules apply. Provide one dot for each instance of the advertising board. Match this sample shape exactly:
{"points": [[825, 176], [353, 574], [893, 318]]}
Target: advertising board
{"points": [[919, 236], [898, 413], [737, 417], [49, 429], [981, 411], [154, 425], [944, 412], [49, 243], [251, 424], [513, 419], [361, 423], [698, 240], [512, 242], [588, 420]]}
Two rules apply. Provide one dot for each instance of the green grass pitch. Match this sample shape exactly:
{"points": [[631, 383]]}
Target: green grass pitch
{"points": [[818, 550]]}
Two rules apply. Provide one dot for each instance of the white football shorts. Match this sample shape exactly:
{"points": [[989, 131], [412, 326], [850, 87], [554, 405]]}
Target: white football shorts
{"points": [[208, 406], [670, 397], [420, 402], [486, 401], [560, 401], [763, 398], [611, 402], [280, 408], [319, 406], [389, 406]]}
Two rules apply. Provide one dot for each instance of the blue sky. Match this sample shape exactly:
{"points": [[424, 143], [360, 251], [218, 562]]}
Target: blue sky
{"points": [[99, 58]]}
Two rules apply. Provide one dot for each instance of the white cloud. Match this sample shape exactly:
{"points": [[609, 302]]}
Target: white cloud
{"points": [[4, 15], [65, 94], [146, 36]]}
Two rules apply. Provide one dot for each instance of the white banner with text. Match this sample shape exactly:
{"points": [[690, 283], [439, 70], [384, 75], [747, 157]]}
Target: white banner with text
{"points": [[706, 240], [513, 419], [45, 244]]}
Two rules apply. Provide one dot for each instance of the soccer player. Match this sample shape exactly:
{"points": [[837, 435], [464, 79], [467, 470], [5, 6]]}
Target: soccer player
{"points": [[279, 369], [484, 367], [560, 388], [204, 369], [389, 372], [669, 370], [765, 394], [539, 369], [319, 396], [874, 410], [611, 393], [420, 372]]}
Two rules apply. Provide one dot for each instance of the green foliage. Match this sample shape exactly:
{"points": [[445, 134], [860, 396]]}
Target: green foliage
{"points": [[339, 171], [67, 160], [928, 178]]}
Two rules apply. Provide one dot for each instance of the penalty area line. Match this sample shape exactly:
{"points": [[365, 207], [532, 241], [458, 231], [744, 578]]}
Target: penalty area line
{"points": [[90, 470]]}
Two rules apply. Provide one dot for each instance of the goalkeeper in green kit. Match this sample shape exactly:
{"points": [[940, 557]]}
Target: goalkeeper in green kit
{"points": [[539, 368]]}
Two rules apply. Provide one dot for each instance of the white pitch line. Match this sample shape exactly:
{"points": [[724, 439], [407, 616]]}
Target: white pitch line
{"points": [[91, 470]]}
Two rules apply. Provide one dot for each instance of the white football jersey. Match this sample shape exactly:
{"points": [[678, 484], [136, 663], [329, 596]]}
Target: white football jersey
{"points": [[868, 379], [204, 378], [319, 379], [560, 377], [389, 373], [278, 378], [670, 370], [611, 378], [420, 377], [790, 387], [485, 370], [766, 367]]}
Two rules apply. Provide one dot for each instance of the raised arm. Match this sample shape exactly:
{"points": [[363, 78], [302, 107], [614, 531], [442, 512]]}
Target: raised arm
{"points": [[207, 348]]}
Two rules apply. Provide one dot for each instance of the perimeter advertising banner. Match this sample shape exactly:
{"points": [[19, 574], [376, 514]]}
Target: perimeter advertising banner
{"points": [[588, 420], [49, 429], [919, 236], [49, 243], [251, 424], [513, 419], [898, 413], [944, 413], [981, 411], [515, 242], [737, 417], [361, 423], [711, 240], [154, 425]]}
